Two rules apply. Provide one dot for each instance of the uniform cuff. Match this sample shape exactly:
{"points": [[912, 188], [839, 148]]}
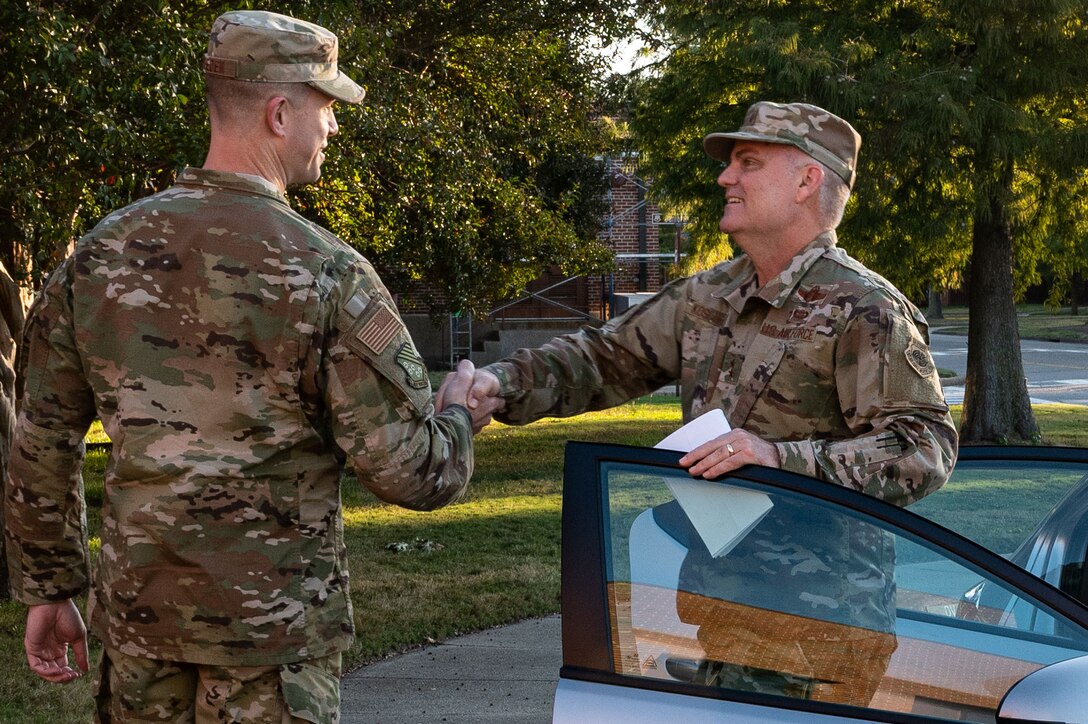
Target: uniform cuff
{"points": [[505, 374], [798, 457], [462, 408]]}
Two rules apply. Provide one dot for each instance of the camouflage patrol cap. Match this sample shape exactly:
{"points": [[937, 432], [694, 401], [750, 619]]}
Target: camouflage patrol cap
{"points": [[822, 135], [264, 47]]}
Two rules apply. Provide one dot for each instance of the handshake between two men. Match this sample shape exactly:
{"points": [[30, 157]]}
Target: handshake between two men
{"points": [[477, 390]]}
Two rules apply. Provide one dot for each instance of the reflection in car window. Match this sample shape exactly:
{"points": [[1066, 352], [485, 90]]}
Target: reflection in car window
{"points": [[814, 602]]}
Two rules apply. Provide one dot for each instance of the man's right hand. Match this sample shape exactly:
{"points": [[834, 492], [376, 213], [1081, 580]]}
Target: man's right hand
{"points": [[476, 390], [50, 628]]}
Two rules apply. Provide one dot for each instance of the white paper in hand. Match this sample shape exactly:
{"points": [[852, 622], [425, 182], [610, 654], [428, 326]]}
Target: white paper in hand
{"points": [[704, 427], [721, 514]]}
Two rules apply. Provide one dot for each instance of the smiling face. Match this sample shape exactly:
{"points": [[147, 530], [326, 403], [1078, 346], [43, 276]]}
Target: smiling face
{"points": [[761, 186], [313, 123]]}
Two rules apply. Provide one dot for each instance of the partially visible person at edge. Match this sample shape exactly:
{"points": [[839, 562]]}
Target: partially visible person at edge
{"points": [[820, 365], [11, 327], [238, 356]]}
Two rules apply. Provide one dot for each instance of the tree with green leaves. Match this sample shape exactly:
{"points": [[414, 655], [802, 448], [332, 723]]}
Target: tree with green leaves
{"points": [[99, 104], [974, 118], [472, 166], [1066, 222], [481, 169]]}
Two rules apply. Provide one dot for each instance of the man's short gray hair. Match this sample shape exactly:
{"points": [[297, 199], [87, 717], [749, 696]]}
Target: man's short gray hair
{"points": [[832, 198], [833, 194]]}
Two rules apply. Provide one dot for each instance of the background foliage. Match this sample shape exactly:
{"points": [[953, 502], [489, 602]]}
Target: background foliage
{"points": [[975, 125], [959, 104], [474, 163]]}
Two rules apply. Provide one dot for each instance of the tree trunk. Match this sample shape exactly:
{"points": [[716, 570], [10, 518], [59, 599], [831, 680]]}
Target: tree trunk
{"points": [[1074, 294], [996, 406], [935, 309]]}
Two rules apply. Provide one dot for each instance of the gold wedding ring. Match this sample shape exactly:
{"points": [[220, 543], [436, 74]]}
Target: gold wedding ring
{"points": [[729, 448]]}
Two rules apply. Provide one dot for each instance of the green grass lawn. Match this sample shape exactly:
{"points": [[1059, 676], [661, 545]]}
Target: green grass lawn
{"points": [[491, 559], [1034, 321]]}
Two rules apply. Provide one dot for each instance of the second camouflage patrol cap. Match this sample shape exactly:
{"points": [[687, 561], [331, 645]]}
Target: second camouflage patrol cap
{"points": [[819, 133], [264, 47]]}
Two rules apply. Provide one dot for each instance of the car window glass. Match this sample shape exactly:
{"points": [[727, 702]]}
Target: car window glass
{"points": [[813, 602], [998, 503]]}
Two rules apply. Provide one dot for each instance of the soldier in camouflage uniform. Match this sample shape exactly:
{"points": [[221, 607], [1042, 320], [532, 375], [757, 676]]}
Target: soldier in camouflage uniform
{"points": [[238, 355], [11, 327], [821, 366]]}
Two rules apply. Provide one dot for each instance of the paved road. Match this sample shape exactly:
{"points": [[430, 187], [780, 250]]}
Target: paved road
{"points": [[503, 675], [1056, 372]]}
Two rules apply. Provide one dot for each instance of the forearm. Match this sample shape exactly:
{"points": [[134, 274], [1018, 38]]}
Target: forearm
{"points": [[591, 370], [906, 458], [45, 516], [421, 464], [400, 449]]}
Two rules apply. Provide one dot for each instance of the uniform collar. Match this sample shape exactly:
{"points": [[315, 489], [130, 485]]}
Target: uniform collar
{"points": [[779, 289], [244, 182]]}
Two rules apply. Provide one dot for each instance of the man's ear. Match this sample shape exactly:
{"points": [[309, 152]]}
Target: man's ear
{"points": [[276, 112], [812, 175]]}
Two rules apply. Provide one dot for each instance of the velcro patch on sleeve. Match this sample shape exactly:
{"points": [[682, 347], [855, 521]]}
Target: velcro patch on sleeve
{"points": [[378, 335], [910, 377], [919, 359], [378, 327], [414, 369]]}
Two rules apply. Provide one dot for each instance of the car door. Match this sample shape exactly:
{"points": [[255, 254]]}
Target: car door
{"points": [[767, 596]]}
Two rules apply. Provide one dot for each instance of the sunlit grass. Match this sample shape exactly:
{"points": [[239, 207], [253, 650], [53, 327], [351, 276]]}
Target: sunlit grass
{"points": [[1063, 424]]}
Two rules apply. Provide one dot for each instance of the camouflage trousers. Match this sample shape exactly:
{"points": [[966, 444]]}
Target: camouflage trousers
{"points": [[134, 689]]}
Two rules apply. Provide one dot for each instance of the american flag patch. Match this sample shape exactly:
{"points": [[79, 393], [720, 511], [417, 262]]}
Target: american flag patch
{"points": [[379, 329]]}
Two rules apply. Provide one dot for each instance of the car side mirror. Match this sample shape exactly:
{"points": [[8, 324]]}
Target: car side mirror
{"points": [[1055, 693]]}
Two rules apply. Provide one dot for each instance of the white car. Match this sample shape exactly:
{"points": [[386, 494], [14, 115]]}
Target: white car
{"points": [[699, 601]]}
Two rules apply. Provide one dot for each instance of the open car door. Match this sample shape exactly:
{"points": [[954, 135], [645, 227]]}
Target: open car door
{"points": [[768, 596]]}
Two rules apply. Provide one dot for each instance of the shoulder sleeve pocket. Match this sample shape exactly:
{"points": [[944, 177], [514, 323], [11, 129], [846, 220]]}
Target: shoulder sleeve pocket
{"points": [[910, 375], [379, 336]]}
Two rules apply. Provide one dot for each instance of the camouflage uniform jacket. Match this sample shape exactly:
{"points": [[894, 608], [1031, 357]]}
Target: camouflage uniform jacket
{"points": [[11, 327], [237, 355], [827, 360]]}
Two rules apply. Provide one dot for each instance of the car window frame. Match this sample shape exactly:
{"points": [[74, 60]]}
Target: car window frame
{"points": [[587, 649]]}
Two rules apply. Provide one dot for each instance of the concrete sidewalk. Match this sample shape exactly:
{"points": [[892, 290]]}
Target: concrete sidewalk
{"points": [[506, 674]]}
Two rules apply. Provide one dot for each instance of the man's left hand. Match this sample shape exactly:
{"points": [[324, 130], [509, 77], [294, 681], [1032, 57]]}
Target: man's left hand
{"points": [[730, 451]]}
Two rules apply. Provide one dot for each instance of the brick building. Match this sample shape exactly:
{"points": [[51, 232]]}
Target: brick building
{"points": [[555, 303]]}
